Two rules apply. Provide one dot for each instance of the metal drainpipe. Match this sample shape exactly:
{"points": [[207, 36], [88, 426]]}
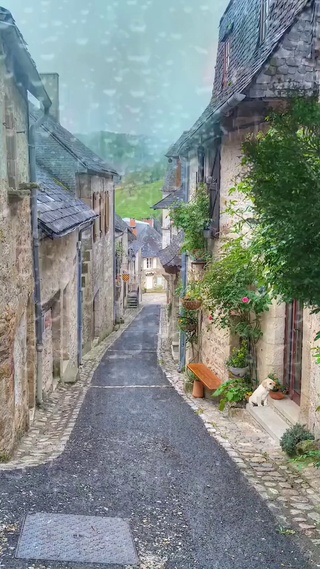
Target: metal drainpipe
{"points": [[114, 255], [184, 270], [36, 252]]}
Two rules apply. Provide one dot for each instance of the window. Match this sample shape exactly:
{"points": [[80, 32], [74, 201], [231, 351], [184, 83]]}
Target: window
{"points": [[149, 263], [226, 62], [11, 145], [264, 19]]}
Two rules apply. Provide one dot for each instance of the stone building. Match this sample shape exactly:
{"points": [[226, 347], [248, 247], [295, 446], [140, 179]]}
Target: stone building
{"points": [[128, 269], [90, 179], [61, 216], [18, 77], [150, 242], [266, 49]]}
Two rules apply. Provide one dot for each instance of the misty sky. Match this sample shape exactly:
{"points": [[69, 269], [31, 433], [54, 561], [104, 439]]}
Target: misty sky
{"points": [[139, 66]]}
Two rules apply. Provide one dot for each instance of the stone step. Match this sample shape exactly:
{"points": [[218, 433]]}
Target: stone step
{"points": [[269, 420], [287, 409]]}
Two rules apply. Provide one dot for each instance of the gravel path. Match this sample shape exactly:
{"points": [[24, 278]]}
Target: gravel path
{"points": [[139, 452]]}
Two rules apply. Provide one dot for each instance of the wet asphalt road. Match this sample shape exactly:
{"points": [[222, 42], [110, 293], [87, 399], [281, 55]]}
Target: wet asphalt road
{"points": [[143, 455]]}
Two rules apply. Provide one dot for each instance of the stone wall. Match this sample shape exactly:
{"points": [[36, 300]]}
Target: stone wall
{"points": [[293, 65], [98, 266], [58, 265], [217, 343], [17, 360]]}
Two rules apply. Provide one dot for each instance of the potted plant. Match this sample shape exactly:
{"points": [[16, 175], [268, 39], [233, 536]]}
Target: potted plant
{"points": [[197, 386], [188, 322], [192, 299], [237, 364], [279, 391]]}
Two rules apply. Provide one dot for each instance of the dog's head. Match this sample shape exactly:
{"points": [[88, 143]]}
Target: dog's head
{"points": [[268, 384]]}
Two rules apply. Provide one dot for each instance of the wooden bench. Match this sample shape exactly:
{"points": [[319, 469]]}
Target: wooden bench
{"points": [[209, 379]]}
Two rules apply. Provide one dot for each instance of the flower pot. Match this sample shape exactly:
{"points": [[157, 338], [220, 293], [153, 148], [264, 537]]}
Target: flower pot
{"points": [[238, 371], [277, 395], [198, 390], [191, 304]]}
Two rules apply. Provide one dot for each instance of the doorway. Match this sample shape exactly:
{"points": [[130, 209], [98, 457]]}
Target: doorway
{"points": [[293, 350]]}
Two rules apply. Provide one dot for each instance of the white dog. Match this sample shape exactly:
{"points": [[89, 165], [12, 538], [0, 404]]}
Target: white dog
{"points": [[260, 395]]}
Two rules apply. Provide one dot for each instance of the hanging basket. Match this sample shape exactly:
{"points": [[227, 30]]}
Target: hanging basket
{"points": [[189, 328], [189, 304]]}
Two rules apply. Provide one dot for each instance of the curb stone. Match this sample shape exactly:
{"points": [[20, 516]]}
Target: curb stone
{"points": [[53, 425], [292, 499]]}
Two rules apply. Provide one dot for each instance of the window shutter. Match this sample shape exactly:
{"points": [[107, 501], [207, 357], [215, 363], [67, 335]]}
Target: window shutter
{"points": [[11, 145], [96, 229], [107, 212], [101, 212]]}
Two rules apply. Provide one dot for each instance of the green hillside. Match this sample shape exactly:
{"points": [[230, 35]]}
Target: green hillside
{"points": [[135, 202]]}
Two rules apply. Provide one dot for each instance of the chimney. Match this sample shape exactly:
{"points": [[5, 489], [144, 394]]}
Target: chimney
{"points": [[149, 221], [51, 85], [133, 226]]}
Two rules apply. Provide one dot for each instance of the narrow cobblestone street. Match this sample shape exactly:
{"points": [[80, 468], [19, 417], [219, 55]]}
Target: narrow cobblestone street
{"points": [[138, 452]]}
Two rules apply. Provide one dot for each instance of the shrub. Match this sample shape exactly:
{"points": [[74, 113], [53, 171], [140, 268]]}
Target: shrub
{"points": [[293, 436], [233, 391]]}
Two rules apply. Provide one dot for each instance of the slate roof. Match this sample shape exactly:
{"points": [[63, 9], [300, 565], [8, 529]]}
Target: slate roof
{"points": [[52, 155], [247, 57], [59, 211], [120, 224], [150, 241], [170, 199], [17, 47], [173, 151], [170, 256]]}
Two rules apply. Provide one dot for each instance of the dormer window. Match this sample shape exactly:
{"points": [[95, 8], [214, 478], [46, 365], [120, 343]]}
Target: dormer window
{"points": [[226, 62], [264, 19]]}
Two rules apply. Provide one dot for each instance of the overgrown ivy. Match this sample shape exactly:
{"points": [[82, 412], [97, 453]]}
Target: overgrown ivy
{"points": [[282, 180], [193, 217]]}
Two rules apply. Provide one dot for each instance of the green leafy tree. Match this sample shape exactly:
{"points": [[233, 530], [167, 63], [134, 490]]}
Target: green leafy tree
{"points": [[283, 182]]}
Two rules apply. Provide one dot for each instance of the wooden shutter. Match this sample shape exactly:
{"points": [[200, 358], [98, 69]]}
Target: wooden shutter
{"points": [[107, 212], [11, 145], [214, 191], [96, 229], [178, 174]]}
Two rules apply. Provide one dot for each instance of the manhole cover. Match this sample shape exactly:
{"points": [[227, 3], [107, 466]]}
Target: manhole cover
{"points": [[86, 539]]}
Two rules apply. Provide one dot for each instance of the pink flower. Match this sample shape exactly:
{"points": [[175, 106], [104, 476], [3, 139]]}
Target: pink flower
{"points": [[246, 300], [210, 318]]}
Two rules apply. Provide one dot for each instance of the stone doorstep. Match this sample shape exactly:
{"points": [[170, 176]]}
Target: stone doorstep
{"points": [[287, 409], [269, 420]]}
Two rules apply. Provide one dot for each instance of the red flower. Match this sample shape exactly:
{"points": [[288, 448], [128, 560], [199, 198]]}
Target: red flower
{"points": [[211, 318], [246, 300]]}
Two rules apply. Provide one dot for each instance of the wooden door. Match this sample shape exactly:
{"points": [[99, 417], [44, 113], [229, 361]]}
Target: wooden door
{"points": [[293, 350]]}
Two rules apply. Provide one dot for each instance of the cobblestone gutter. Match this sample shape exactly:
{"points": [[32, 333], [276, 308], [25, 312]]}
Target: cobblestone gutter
{"points": [[293, 496], [53, 424]]}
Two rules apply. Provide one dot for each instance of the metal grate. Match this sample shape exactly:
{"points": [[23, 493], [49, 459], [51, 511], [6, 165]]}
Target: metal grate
{"points": [[85, 539]]}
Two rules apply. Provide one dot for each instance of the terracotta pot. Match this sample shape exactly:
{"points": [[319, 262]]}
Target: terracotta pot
{"points": [[191, 304], [277, 395], [198, 390]]}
